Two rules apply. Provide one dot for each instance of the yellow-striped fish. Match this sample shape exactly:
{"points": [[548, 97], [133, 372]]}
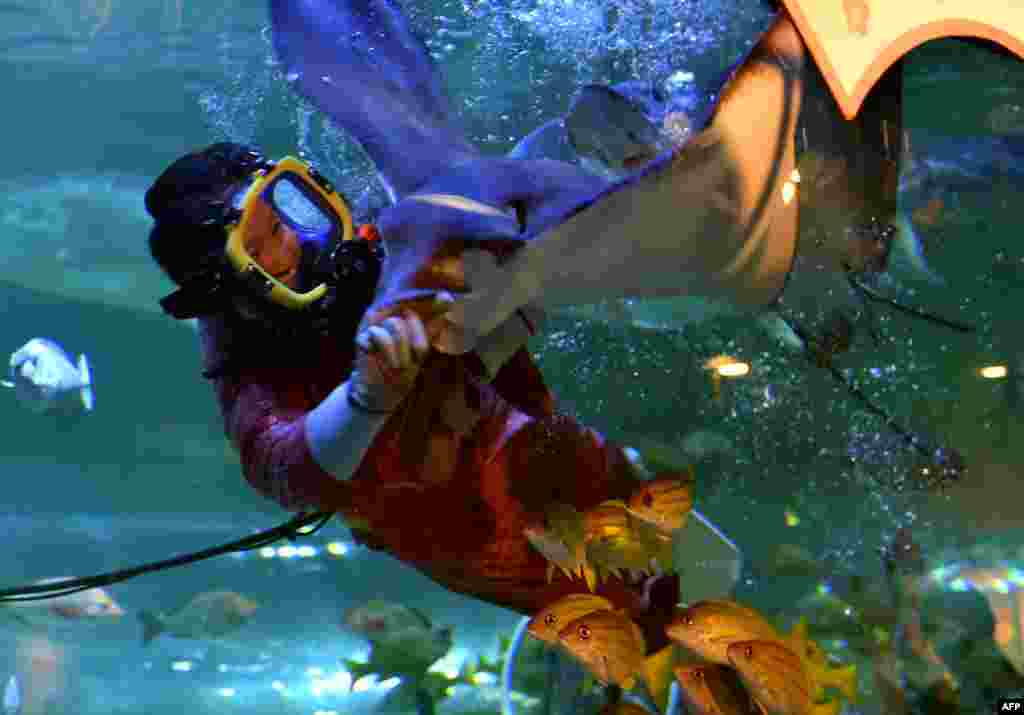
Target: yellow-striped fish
{"points": [[710, 689], [611, 647], [566, 523], [608, 644], [823, 673], [549, 621], [561, 543], [708, 628], [557, 553], [777, 679], [664, 502], [616, 541]]}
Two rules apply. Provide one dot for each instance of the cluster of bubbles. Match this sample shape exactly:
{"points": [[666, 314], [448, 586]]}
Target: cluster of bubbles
{"points": [[232, 107], [647, 38], [320, 142], [510, 66], [531, 55]]}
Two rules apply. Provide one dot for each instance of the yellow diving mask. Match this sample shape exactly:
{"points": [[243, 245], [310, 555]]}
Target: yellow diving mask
{"points": [[286, 218]]}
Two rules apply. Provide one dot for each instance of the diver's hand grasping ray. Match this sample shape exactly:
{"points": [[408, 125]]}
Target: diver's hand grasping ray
{"points": [[716, 218], [358, 62]]}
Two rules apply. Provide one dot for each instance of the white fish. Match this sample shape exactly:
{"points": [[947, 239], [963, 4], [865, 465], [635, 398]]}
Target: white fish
{"points": [[46, 381], [81, 237], [12, 696], [613, 129], [93, 605], [608, 130], [212, 614]]}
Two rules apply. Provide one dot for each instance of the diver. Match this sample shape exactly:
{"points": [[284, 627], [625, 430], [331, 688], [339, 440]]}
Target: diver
{"points": [[441, 461], [322, 349]]}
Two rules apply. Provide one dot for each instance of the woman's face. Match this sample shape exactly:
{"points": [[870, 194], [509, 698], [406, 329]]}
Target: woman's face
{"points": [[273, 244]]}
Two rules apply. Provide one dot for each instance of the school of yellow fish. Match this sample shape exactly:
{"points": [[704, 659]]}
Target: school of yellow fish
{"points": [[616, 538], [727, 658]]}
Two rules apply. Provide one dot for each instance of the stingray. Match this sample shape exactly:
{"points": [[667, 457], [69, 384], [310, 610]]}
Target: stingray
{"points": [[609, 130], [690, 224], [710, 219]]}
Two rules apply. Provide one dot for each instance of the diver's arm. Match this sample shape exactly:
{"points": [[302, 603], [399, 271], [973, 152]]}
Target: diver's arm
{"points": [[266, 414], [339, 433]]}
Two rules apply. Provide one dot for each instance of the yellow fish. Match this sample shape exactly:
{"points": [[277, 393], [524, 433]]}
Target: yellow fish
{"points": [[609, 539], [566, 523], [777, 679], [608, 644], [607, 520], [611, 647], [558, 554], [561, 543], [664, 502], [615, 541], [709, 689], [708, 628], [549, 621], [822, 672]]}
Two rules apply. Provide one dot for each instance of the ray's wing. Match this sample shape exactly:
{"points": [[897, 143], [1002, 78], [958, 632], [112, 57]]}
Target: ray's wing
{"points": [[359, 62]]}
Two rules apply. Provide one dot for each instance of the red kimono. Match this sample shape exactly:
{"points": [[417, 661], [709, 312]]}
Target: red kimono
{"points": [[450, 481]]}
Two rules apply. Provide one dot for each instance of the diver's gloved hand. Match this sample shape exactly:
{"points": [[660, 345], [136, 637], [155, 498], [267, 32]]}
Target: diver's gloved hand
{"points": [[390, 355]]}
